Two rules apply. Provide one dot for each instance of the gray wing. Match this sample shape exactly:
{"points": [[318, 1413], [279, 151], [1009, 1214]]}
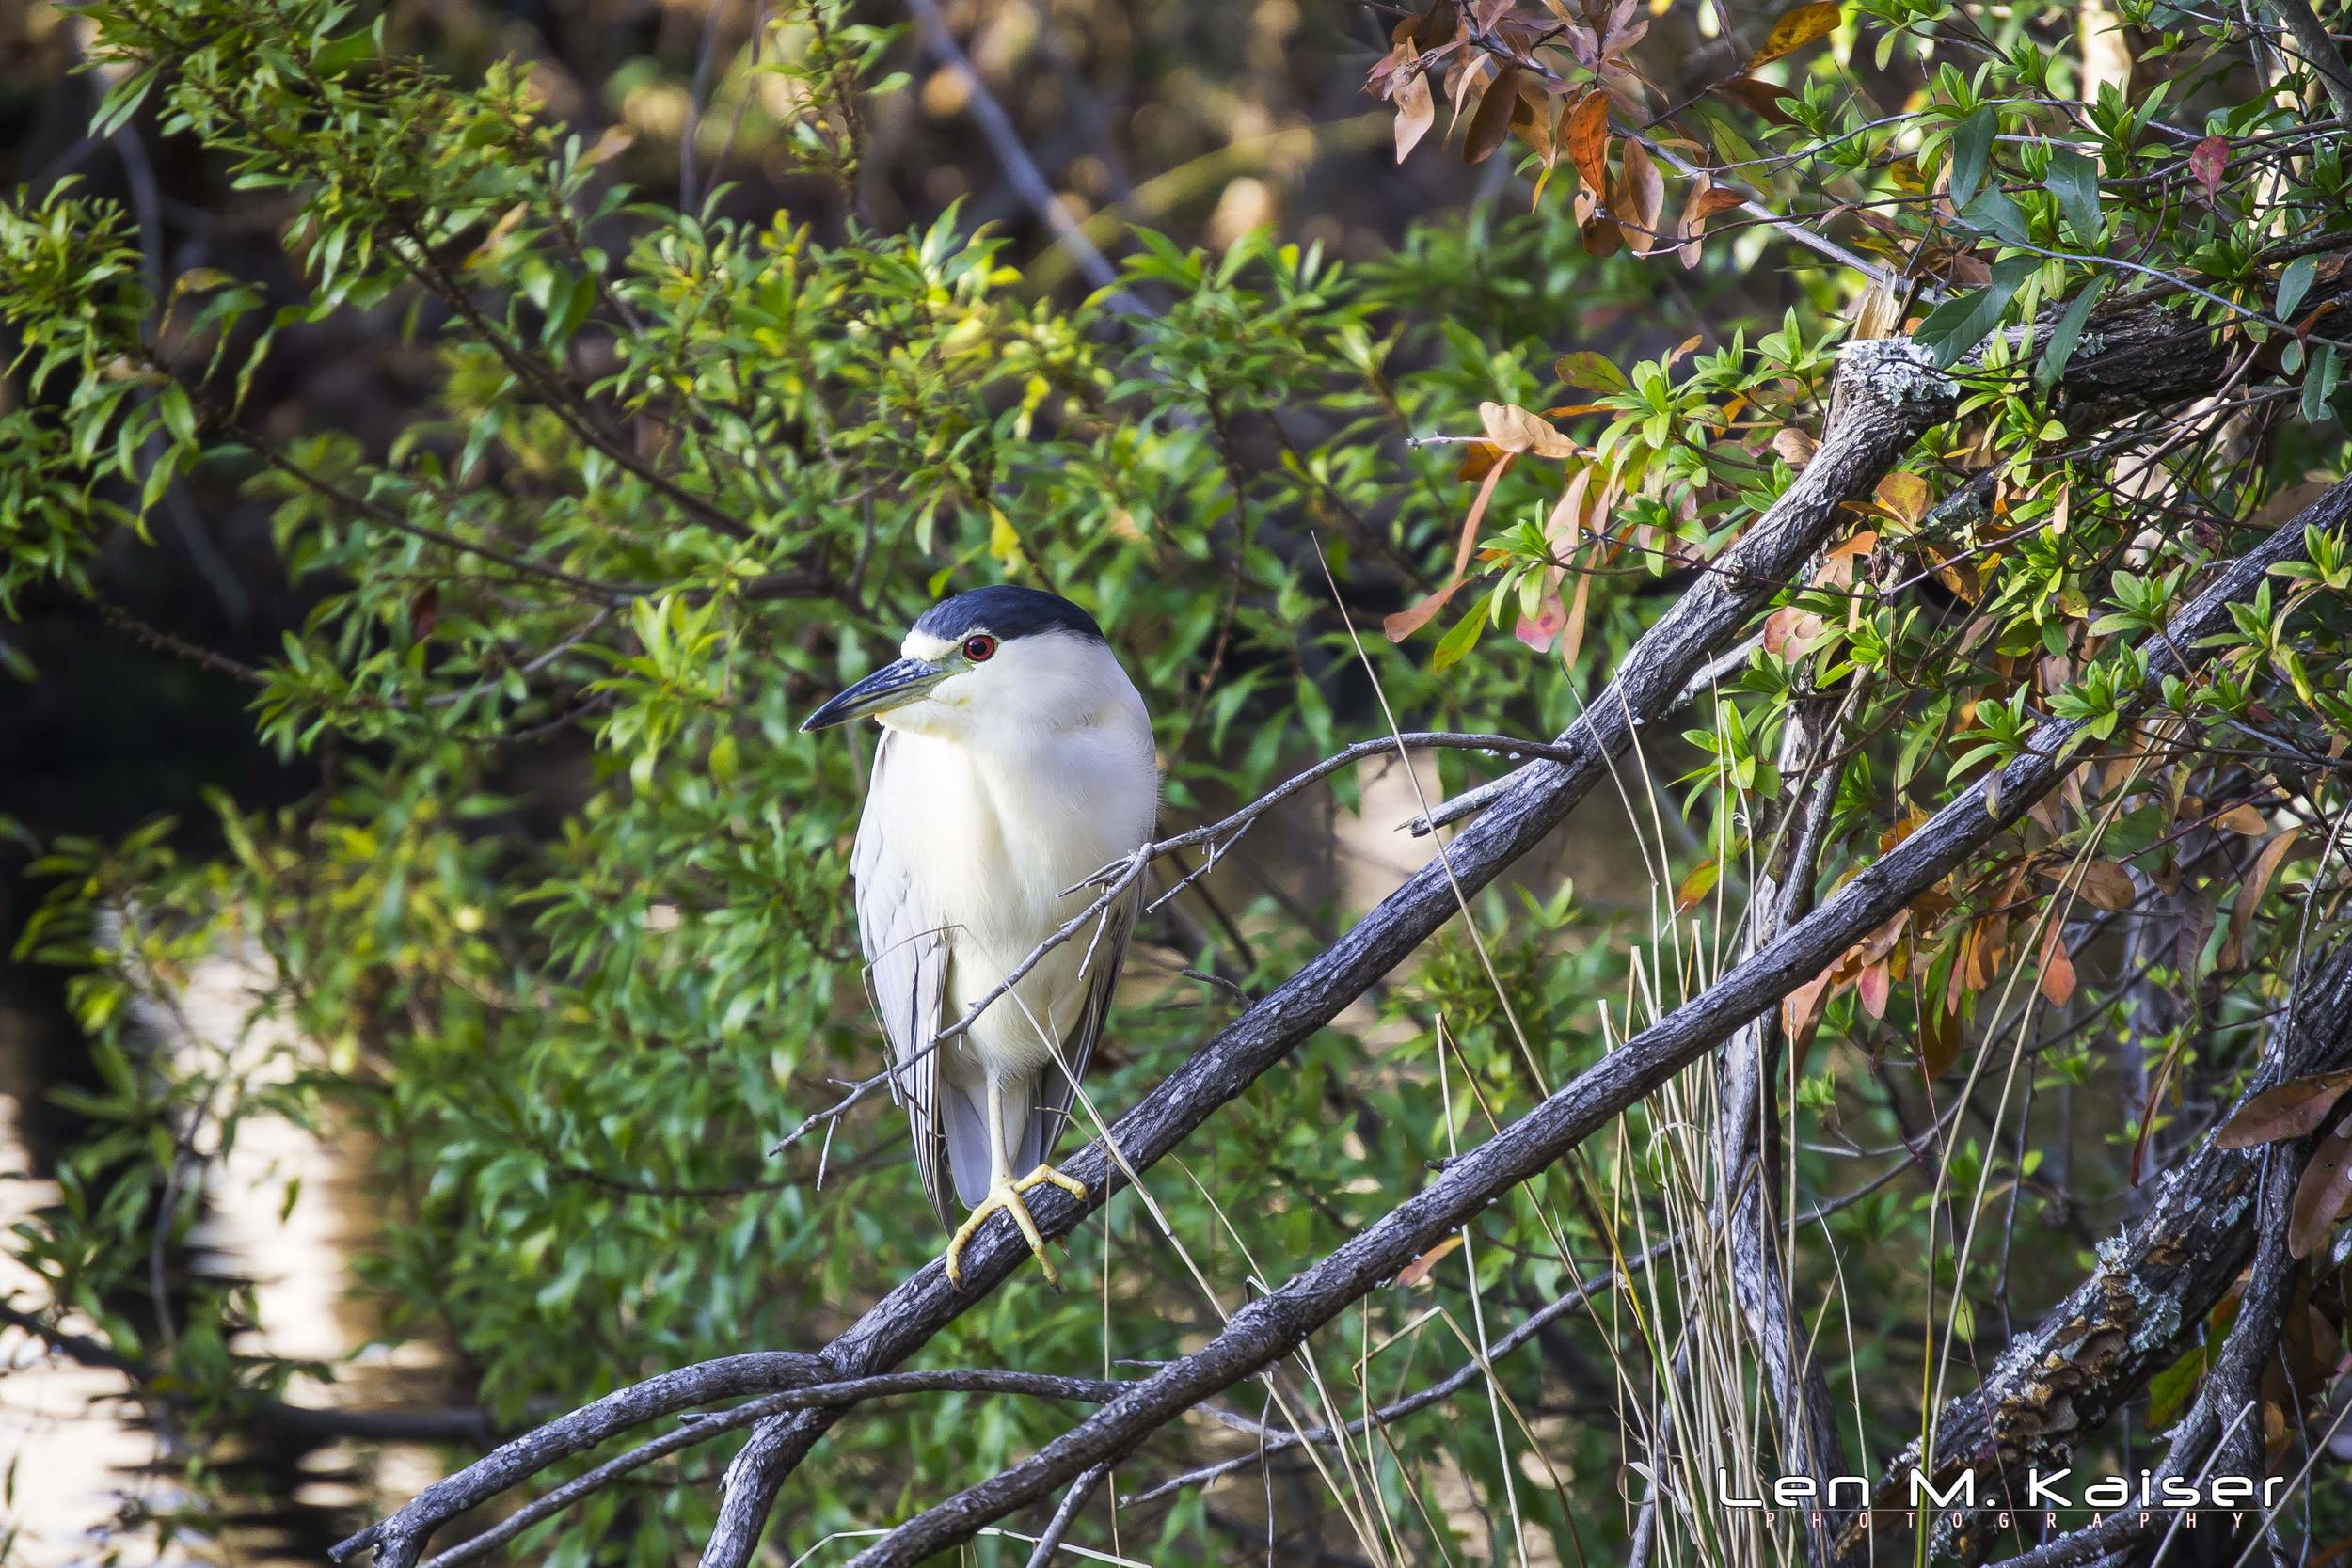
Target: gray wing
{"points": [[1057, 1089], [906, 971]]}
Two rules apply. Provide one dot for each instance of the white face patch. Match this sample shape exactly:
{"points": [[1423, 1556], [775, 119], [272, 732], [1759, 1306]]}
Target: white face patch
{"points": [[923, 645]]}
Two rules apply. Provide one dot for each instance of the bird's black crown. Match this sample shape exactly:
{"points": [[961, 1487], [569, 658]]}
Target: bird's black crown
{"points": [[1005, 613]]}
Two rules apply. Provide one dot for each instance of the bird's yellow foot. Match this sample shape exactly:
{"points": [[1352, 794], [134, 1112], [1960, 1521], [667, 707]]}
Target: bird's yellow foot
{"points": [[1006, 1196]]}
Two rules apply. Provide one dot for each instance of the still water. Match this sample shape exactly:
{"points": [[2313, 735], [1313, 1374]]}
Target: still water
{"points": [[84, 1459]]}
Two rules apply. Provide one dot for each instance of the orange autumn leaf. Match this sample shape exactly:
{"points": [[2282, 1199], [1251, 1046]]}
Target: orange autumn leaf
{"points": [[2057, 967], [1418, 1270], [1588, 140]]}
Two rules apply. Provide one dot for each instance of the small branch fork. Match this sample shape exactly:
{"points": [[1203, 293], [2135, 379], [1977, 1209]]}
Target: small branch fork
{"points": [[1885, 398]]}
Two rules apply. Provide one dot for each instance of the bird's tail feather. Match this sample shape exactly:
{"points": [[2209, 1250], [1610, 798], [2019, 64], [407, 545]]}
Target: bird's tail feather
{"points": [[965, 1122]]}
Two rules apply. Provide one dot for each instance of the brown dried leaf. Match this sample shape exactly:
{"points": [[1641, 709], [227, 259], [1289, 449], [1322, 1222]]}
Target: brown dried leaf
{"points": [[1939, 1039], [1492, 125], [1640, 198], [1706, 199], [1587, 138], [2319, 1197], [1416, 112], [1601, 236], [1418, 1270], [1794, 30], [1757, 97], [1512, 428], [2103, 884], [1795, 447], [2243, 818], [2293, 1109], [2249, 895]]}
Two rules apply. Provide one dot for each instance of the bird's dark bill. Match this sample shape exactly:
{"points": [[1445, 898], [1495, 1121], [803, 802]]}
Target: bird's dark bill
{"points": [[892, 686]]}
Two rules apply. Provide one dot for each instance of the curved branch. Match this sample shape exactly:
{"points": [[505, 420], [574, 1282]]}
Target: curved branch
{"points": [[1276, 1324]]}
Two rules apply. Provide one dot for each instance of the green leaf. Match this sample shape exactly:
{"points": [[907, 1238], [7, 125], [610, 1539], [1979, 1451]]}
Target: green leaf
{"points": [[2294, 283], [1459, 640], [2074, 180], [2068, 332], [1958, 326], [1993, 213], [1972, 144], [2319, 383]]}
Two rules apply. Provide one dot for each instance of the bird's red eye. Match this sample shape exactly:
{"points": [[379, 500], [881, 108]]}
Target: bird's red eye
{"points": [[978, 648]]}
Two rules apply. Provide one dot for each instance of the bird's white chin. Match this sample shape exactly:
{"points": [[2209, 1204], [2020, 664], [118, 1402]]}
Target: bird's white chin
{"points": [[929, 717]]}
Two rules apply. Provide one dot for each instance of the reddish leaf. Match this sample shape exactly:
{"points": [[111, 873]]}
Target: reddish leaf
{"points": [[1794, 30], [2319, 1197], [1872, 989], [1537, 630], [1801, 1009], [2293, 1109], [1588, 140], [1572, 640], [2206, 161]]}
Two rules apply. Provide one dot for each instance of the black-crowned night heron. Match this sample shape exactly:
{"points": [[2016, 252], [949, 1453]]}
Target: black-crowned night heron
{"points": [[1017, 762]]}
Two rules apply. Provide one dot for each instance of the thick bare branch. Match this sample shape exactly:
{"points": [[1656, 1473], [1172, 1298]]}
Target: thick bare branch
{"points": [[1277, 1323], [1885, 398]]}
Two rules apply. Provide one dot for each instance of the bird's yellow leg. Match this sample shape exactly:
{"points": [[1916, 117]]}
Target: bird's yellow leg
{"points": [[1003, 1191], [1006, 1196]]}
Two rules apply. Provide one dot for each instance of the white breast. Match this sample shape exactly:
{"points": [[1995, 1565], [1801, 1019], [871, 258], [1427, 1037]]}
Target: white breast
{"points": [[1000, 833]]}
